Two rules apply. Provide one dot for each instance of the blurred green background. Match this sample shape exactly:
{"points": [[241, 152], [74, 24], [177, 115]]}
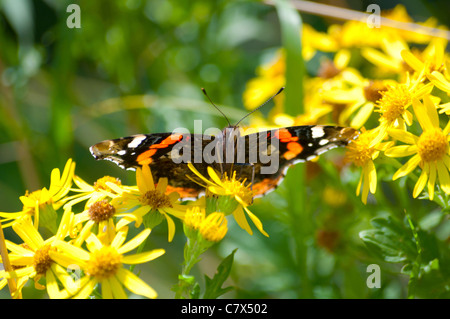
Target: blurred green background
{"points": [[137, 66]]}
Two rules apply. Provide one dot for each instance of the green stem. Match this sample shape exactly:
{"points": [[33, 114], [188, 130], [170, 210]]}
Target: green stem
{"points": [[291, 26], [414, 277]]}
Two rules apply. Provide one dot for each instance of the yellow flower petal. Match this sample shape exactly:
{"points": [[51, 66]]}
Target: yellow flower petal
{"points": [[358, 188], [256, 221], [422, 115], [412, 61], [170, 226], [69, 284], [136, 241], [93, 243], [363, 115], [403, 136], [212, 173], [431, 111], [196, 172], [71, 250], [135, 284], [407, 167], [144, 179], [444, 179], [379, 58], [439, 80], [28, 233], [239, 216], [107, 290], [143, 257], [366, 185], [116, 288], [432, 180], [162, 185], [65, 260], [421, 182], [401, 151], [87, 289], [372, 175], [120, 237]]}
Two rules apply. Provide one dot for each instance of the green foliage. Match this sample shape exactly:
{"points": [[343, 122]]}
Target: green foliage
{"points": [[213, 287], [138, 66]]}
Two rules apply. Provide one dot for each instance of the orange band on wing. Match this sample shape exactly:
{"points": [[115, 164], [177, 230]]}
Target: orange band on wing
{"points": [[146, 157], [285, 136], [294, 149]]}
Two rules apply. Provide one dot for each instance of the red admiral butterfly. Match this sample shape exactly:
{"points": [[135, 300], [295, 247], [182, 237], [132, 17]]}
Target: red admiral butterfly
{"points": [[261, 157]]}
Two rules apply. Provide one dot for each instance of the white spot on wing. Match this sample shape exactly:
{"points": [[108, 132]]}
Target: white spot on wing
{"points": [[317, 132], [136, 141]]}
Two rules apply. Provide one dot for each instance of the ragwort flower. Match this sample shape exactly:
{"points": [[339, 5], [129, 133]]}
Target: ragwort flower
{"points": [[430, 149], [32, 260], [103, 263], [362, 152], [44, 201], [234, 195], [149, 200]]}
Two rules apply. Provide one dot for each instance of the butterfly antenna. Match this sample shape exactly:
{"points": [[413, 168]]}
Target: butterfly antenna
{"points": [[204, 92], [279, 91]]}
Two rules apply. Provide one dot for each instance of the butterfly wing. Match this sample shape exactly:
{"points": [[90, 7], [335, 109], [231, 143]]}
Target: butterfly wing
{"points": [[285, 147], [167, 154]]}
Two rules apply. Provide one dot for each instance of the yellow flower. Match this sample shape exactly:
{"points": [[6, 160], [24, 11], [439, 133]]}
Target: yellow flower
{"points": [[104, 187], [394, 103], [43, 200], [362, 152], [214, 227], [194, 217], [148, 198], [313, 40], [430, 149], [100, 213], [32, 260], [238, 192], [431, 59], [104, 264], [270, 78]]}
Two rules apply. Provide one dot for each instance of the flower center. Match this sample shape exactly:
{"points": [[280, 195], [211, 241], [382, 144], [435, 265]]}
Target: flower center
{"points": [[238, 188], [328, 70], [155, 199], [104, 263], [42, 260], [372, 92], [432, 145], [101, 210], [394, 102], [100, 184], [359, 151]]}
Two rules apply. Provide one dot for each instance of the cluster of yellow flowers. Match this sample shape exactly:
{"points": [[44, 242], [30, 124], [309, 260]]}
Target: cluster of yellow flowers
{"points": [[88, 224], [375, 75], [88, 245]]}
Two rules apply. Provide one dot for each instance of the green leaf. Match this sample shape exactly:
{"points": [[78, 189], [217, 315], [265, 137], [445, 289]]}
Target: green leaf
{"points": [[390, 240], [214, 288], [291, 26]]}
